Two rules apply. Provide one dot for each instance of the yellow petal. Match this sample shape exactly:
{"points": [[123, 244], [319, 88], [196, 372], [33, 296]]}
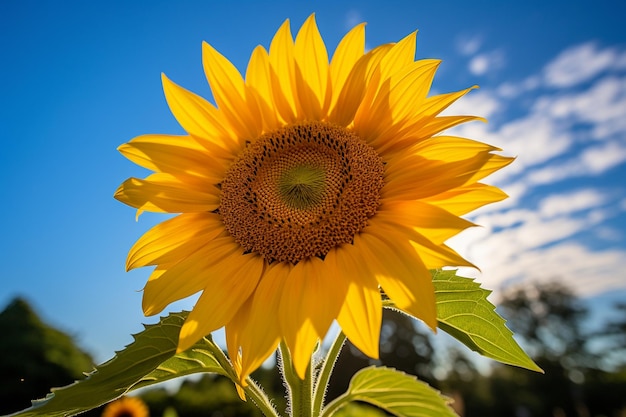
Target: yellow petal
{"points": [[260, 334], [441, 123], [438, 103], [360, 316], [283, 64], [427, 227], [161, 194], [234, 331], [400, 272], [493, 164], [229, 92], [434, 222], [308, 308], [409, 88], [231, 283], [311, 70], [451, 148], [437, 256], [467, 198], [172, 282], [180, 156], [348, 52], [401, 55], [397, 101], [423, 124], [174, 239], [404, 182], [160, 292], [196, 115], [259, 80], [359, 82]]}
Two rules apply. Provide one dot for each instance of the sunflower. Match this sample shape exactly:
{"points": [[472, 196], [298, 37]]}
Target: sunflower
{"points": [[304, 190], [126, 407]]}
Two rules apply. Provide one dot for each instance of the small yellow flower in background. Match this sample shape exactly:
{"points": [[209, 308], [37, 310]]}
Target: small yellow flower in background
{"points": [[305, 189], [126, 407]]}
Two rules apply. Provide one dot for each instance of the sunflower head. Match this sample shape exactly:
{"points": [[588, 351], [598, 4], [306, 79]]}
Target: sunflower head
{"points": [[302, 191], [126, 407]]}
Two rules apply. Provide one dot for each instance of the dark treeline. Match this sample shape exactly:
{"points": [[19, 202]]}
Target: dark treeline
{"points": [[585, 370]]}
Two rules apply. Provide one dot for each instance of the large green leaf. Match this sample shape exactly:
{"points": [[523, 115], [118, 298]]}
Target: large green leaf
{"points": [[148, 360], [395, 392], [464, 312]]}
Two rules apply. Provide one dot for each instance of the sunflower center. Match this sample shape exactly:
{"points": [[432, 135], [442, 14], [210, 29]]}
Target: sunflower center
{"points": [[300, 191], [302, 186]]}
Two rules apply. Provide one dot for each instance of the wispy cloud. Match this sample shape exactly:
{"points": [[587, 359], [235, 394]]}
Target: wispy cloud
{"points": [[486, 62], [353, 17], [469, 44], [581, 63], [572, 124]]}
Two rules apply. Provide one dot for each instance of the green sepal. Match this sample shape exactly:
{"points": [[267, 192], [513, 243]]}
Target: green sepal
{"points": [[397, 393], [150, 359]]}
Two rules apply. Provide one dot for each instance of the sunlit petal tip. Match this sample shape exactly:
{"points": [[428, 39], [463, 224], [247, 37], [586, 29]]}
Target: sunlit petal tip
{"points": [[284, 31], [240, 391], [148, 307], [188, 335], [310, 20], [166, 82]]}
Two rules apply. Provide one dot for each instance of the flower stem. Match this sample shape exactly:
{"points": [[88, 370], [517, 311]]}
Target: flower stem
{"points": [[321, 383], [256, 394], [300, 390], [252, 390]]}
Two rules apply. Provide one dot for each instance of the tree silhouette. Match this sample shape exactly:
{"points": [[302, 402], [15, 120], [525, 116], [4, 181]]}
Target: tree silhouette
{"points": [[34, 357], [548, 317]]}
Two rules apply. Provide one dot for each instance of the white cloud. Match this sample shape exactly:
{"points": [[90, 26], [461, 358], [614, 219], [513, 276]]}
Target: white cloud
{"points": [[509, 90], [548, 139], [539, 249], [586, 272], [581, 63], [567, 130], [599, 159], [560, 204], [591, 161], [352, 18], [469, 45], [486, 62], [603, 104]]}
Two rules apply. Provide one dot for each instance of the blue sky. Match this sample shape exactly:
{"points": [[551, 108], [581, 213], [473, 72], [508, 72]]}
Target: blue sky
{"points": [[80, 78]]}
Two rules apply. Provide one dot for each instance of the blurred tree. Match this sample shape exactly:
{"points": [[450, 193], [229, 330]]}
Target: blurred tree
{"points": [[605, 387], [462, 382], [548, 317], [613, 336], [211, 395], [34, 357]]}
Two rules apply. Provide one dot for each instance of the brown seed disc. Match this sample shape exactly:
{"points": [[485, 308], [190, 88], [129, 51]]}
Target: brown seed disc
{"points": [[301, 190]]}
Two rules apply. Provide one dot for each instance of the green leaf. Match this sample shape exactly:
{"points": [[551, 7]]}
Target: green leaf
{"points": [[148, 360], [464, 312], [395, 392]]}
